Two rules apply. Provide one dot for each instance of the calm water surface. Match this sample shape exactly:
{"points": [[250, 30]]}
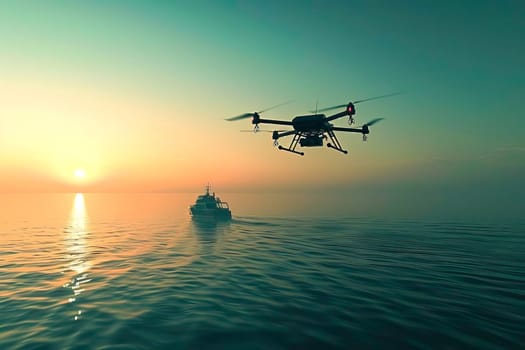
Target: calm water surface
{"points": [[134, 272]]}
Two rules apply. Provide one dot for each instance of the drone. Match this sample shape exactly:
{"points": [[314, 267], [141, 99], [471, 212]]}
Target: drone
{"points": [[311, 130]]}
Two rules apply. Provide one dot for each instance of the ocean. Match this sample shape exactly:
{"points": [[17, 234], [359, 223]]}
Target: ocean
{"points": [[133, 271]]}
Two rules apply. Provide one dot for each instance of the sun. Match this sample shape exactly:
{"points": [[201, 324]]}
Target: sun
{"points": [[80, 173]]}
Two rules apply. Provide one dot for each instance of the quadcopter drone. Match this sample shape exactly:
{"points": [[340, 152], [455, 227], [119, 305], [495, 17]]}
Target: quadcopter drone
{"points": [[311, 130]]}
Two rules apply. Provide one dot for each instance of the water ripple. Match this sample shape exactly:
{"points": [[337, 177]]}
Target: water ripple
{"points": [[262, 283]]}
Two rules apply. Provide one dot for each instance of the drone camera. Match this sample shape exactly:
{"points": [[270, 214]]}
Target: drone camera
{"points": [[311, 141]]}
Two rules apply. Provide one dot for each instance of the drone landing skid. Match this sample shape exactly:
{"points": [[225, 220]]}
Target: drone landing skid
{"points": [[293, 144], [329, 145], [290, 150], [335, 143]]}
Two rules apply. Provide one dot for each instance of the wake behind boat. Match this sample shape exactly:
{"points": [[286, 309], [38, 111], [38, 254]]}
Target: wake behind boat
{"points": [[207, 206]]}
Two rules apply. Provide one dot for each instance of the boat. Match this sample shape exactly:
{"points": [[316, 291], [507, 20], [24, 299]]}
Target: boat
{"points": [[207, 207]]}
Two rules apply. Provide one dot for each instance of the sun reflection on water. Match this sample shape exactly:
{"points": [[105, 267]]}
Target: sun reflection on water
{"points": [[77, 249]]}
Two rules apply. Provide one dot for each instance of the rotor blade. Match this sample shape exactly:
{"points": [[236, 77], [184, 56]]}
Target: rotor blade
{"points": [[373, 121], [275, 106], [239, 117], [261, 131], [377, 97], [359, 101], [249, 115], [330, 108]]}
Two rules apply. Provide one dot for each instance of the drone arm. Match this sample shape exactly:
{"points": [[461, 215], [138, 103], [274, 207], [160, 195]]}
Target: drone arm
{"points": [[272, 121], [276, 135], [360, 131], [337, 116]]}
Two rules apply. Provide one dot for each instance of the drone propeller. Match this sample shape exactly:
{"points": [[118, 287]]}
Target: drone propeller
{"points": [[358, 101], [378, 97], [250, 115], [365, 130], [259, 130], [242, 116], [373, 121]]}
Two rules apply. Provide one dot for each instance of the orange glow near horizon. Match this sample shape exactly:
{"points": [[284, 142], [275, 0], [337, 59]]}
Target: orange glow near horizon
{"points": [[68, 137]]}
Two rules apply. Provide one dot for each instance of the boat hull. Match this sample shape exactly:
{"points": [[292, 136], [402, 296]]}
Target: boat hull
{"points": [[210, 214]]}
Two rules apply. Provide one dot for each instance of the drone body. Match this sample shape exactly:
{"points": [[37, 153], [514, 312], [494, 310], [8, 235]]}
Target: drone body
{"points": [[311, 130]]}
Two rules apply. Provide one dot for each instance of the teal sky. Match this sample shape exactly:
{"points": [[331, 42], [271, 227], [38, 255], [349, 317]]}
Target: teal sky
{"points": [[455, 132]]}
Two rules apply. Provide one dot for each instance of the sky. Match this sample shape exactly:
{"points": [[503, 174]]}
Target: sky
{"points": [[135, 94]]}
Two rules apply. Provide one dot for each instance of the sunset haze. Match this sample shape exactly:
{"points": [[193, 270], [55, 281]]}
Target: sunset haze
{"points": [[136, 95]]}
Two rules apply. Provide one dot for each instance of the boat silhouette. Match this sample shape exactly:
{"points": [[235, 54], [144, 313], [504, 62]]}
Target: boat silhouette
{"points": [[209, 207]]}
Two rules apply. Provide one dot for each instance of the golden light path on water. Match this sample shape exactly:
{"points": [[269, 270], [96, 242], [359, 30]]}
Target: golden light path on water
{"points": [[77, 248]]}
